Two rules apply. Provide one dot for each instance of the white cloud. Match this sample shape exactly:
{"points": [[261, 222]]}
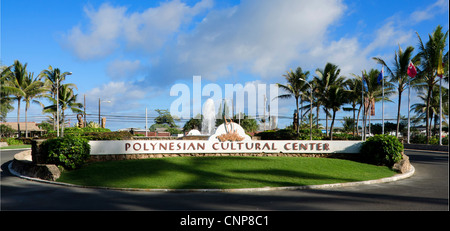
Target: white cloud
{"points": [[124, 69], [440, 6], [100, 40], [110, 25], [121, 96], [260, 37]]}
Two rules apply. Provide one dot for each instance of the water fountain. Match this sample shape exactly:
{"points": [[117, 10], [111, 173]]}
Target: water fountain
{"points": [[209, 118]]}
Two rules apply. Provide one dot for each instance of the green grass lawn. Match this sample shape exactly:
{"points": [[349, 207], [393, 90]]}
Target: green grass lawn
{"points": [[222, 172], [17, 146]]}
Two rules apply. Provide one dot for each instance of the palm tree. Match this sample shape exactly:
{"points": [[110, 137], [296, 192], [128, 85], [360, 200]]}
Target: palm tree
{"points": [[53, 79], [353, 86], [295, 87], [399, 74], [373, 92], [67, 100], [5, 99], [33, 88], [15, 84], [428, 57], [325, 79], [337, 97], [420, 108]]}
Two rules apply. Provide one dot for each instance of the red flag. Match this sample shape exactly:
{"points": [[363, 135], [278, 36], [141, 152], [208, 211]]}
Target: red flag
{"points": [[411, 70]]}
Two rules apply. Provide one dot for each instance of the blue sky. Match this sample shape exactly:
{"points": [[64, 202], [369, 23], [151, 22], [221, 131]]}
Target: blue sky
{"points": [[130, 53]]}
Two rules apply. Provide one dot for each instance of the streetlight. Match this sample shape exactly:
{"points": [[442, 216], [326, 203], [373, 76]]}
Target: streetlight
{"points": [[105, 101], [310, 108], [57, 103]]}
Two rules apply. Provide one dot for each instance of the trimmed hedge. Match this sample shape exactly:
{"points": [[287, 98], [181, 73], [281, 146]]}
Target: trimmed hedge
{"points": [[382, 150], [70, 152]]}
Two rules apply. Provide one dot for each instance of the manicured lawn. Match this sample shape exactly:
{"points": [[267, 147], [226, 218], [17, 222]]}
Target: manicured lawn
{"points": [[222, 172], [16, 146]]}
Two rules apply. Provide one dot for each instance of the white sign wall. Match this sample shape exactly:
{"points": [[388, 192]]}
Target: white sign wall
{"points": [[106, 147]]}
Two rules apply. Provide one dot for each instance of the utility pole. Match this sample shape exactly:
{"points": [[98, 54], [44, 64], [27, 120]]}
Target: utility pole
{"points": [[85, 123], [99, 121], [146, 128], [265, 99]]}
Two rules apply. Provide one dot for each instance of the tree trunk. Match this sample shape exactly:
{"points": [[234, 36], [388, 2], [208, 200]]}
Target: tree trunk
{"points": [[18, 116], [354, 109], [326, 122], [430, 88], [301, 111], [332, 124], [62, 125], [317, 112], [298, 117], [398, 113], [357, 121], [26, 119]]}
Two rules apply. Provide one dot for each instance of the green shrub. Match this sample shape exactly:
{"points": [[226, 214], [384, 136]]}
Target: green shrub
{"points": [[13, 141], [124, 135], [382, 150], [283, 134], [70, 152]]}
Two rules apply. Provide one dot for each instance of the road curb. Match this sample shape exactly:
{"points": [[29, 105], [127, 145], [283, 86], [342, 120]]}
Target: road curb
{"points": [[264, 189]]}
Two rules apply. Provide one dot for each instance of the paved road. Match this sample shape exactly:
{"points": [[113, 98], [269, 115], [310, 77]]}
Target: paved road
{"points": [[426, 190]]}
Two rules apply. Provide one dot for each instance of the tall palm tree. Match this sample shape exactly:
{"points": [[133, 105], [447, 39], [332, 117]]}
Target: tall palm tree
{"points": [[420, 107], [428, 57], [33, 88], [337, 96], [67, 100], [295, 87], [54, 78], [398, 74], [15, 84], [5, 98], [325, 79], [353, 86], [373, 91]]}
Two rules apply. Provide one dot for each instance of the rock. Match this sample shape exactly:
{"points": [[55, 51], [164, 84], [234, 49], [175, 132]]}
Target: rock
{"points": [[403, 165]]}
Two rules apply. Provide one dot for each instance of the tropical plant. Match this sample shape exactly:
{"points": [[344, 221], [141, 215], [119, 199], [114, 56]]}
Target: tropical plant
{"points": [[398, 74], [54, 78], [382, 150], [34, 88], [354, 88], [70, 152], [337, 97], [296, 85], [428, 57], [15, 84], [373, 92], [420, 107], [324, 81], [67, 100], [164, 117], [5, 99]]}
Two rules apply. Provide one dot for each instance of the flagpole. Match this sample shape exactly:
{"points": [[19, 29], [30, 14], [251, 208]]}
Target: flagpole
{"points": [[411, 73], [409, 96], [382, 102], [440, 111], [363, 129]]}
